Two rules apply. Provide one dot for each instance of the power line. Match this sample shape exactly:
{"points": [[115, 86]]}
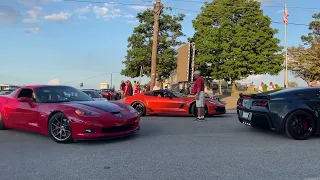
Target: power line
{"points": [[84, 79], [268, 6], [190, 1], [104, 2], [182, 9], [189, 10]]}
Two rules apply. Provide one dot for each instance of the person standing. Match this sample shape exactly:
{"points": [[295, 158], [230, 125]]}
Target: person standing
{"points": [[122, 86], [156, 87], [260, 89], [198, 91]]}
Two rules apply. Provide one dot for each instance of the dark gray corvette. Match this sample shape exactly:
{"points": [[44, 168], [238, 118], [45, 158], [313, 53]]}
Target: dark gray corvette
{"points": [[294, 111]]}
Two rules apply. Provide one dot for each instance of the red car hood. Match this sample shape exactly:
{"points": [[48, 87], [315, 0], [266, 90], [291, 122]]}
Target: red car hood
{"points": [[101, 105]]}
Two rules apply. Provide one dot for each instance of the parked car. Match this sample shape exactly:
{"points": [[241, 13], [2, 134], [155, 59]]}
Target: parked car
{"points": [[6, 92], [170, 102], [293, 111], [110, 94], [94, 94], [65, 114]]}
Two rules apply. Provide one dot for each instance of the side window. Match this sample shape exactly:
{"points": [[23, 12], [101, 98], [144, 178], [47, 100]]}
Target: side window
{"points": [[159, 94], [149, 94], [25, 93]]}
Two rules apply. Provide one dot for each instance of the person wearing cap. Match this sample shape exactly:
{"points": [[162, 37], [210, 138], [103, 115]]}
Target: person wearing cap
{"points": [[198, 91]]}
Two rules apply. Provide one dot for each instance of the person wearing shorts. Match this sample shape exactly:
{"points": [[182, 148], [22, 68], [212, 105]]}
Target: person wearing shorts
{"points": [[198, 91]]}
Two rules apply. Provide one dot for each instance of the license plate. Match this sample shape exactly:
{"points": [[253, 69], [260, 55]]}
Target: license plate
{"points": [[246, 115]]}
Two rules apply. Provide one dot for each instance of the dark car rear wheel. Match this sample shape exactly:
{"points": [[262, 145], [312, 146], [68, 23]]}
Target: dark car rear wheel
{"points": [[300, 125], [194, 110], [59, 128], [140, 108], [2, 125]]}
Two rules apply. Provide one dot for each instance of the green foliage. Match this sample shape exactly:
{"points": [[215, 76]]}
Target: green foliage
{"points": [[265, 88], [292, 84], [304, 60], [234, 43], [140, 45], [277, 86]]}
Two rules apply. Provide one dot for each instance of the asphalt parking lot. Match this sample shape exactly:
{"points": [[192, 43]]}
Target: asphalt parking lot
{"points": [[166, 148]]}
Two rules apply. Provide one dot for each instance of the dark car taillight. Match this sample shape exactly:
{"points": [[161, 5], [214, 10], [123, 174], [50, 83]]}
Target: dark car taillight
{"points": [[260, 103]]}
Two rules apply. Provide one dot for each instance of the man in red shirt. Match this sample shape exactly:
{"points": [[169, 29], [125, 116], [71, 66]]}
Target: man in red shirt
{"points": [[198, 91]]}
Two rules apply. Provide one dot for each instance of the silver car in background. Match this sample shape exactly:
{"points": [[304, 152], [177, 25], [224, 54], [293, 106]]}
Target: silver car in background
{"points": [[94, 94]]}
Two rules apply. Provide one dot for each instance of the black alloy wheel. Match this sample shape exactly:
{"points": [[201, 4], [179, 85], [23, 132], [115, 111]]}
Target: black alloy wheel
{"points": [[140, 108], [59, 128], [300, 125], [194, 110]]}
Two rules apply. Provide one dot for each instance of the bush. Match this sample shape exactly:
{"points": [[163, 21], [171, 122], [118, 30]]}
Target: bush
{"points": [[265, 87], [277, 86]]}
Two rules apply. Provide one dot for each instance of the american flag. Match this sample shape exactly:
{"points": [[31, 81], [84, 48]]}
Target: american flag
{"points": [[286, 15]]}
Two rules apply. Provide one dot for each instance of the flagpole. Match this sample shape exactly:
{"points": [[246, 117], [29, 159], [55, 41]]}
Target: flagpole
{"points": [[286, 45]]}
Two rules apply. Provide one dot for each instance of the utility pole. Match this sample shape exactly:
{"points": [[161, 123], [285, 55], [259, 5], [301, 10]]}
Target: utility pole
{"points": [[285, 19], [111, 80], [157, 12]]}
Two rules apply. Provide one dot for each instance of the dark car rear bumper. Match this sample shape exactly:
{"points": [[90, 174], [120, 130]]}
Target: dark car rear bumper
{"points": [[260, 119]]}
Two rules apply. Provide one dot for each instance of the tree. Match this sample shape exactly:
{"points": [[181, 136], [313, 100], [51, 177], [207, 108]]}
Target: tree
{"points": [[293, 84], [233, 42], [304, 60], [140, 45]]}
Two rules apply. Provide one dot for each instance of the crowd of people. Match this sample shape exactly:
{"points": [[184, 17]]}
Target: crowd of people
{"points": [[128, 89]]}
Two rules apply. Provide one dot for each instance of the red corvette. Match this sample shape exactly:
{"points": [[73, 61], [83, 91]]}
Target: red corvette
{"points": [[66, 114], [169, 102]]}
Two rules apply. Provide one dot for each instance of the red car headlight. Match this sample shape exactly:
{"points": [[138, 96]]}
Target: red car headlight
{"points": [[86, 113]]}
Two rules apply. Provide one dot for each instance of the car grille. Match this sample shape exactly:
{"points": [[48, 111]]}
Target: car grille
{"points": [[220, 109], [116, 129]]}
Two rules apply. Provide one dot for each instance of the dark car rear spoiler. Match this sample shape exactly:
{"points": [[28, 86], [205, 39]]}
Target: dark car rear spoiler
{"points": [[254, 96]]}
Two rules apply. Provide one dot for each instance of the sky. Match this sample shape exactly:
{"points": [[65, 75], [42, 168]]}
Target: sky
{"points": [[44, 41]]}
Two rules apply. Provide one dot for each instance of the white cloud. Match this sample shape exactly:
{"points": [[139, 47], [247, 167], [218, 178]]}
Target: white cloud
{"points": [[252, 78], [60, 17], [140, 8], [30, 21], [54, 82], [134, 22], [32, 30], [130, 16], [82, 17], [8, 15], [105, 13], [280, 11], [83, 10], [33, 2], [33, 13]]}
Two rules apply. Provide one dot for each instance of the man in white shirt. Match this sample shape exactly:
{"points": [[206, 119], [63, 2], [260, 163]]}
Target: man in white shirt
{"points": [[156, 87], [260, 89]]}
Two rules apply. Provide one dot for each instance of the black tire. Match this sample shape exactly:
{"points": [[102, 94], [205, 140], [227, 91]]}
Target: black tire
{"points": [[60, 122], [2, 125], [300, 125], [140, 108], [194, 110]]}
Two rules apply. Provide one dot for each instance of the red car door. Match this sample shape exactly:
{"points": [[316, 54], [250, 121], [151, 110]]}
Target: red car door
{"points": [[24, 114], [27, 115], [164, 105]]}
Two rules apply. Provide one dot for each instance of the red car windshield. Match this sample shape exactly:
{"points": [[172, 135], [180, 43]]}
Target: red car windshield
{"points": [[56, 94]]}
